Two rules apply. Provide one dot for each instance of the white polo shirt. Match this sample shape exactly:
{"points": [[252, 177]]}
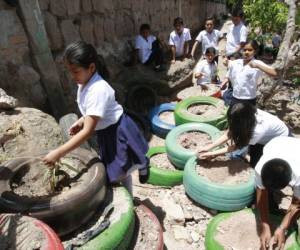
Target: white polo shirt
{"points": [[237, 34], [97, 98], [244, 78], [208, 39], [285, 148], [208, 69], [267, 127], [178, 41], [144, 46]]}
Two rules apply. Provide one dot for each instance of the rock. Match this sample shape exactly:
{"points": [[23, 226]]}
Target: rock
{"points": [[98, 29], [87, 30], [6, 101], [180, 233], [195, 236], [27, 132], [73, 7], [174, 211], [53, 31], [102, 6], [87, 5], [69, 31], [58, 8], [44, 4]]}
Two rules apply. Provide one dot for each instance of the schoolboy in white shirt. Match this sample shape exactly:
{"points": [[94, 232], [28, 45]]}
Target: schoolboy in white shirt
{"points": [[237, 35], [277, 168], [208, 37], [179, 40], [148, 49]]}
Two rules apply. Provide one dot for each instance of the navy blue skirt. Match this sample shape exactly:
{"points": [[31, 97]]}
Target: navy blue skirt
{"points": [[122, 146]]}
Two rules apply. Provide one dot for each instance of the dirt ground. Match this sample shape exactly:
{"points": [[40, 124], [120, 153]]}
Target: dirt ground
{"points": [[18, 232], [193, 140], [198, 91], [161, 161], [224, 171], [167, 117]]}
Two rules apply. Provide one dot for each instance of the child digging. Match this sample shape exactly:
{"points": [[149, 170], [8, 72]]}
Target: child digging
{"points": [[121, 143], [179, 40], [247, 126], [277, 168]]}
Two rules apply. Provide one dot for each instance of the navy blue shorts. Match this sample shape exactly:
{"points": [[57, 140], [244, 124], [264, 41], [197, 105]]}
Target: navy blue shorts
{"points": [[122, 146]]}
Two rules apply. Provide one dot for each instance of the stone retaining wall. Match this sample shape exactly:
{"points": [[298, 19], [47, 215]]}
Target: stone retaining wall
{"points": [[110, 25]]}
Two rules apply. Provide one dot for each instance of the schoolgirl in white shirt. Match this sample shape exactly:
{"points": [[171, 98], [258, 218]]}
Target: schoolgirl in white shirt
{"points": [[179, 40], [247, 126], [121, 143], [245, 74], [206, 70]]}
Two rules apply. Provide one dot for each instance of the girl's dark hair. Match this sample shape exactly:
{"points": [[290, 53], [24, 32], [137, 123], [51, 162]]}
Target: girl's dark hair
{"points": [[83, 54], [276, 174], [178, 20], [144, 26], [210, 18], [241, 122], [210, 50], [254, 44]]}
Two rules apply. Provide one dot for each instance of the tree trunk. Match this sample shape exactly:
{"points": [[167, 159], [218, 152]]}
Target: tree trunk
{"points": [[288, 55]]}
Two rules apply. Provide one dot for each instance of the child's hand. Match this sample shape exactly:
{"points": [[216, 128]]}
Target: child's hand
{"points": [[52, 157], [205, 156], [199, 75], [76, 127], [223, 85]]}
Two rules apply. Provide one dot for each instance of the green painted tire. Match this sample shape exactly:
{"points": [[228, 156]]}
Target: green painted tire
{"points": [[212, 244], [163, 177], [182, 115], [179, 155], [294, 242], [119, 234], [216, 196]]}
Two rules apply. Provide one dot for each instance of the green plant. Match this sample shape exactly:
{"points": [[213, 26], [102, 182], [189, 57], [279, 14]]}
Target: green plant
{"points": [[268, 16]]}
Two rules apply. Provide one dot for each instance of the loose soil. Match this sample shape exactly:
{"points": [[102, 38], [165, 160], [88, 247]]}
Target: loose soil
{"points": [[20, 233], [221, 170], [33, 179], [198, 91], [167, 117], [148, 231], [193, 140], [232, 233], [161, 161], [206, 110]]}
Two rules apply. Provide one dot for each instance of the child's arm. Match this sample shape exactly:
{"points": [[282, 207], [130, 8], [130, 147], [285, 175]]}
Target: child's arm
{"points": [[186, 48], [270, 71], [262, 205], [224, 83], [194, 48], [215, 153], [173, 49], [221, 140], [90, 123]]}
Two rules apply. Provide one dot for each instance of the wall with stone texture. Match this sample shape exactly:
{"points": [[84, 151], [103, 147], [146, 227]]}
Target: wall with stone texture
{"points": [[110, 25]]}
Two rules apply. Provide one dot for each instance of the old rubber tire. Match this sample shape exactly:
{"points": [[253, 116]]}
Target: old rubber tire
{"points": [[142, 123], [163, 177], [212, 244], [182, 115], [141, 98], [216, 196], [63, 212], [159, 243], [120, 232], [159, 127], [179, 155], [51, 242], [292, 242]]}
